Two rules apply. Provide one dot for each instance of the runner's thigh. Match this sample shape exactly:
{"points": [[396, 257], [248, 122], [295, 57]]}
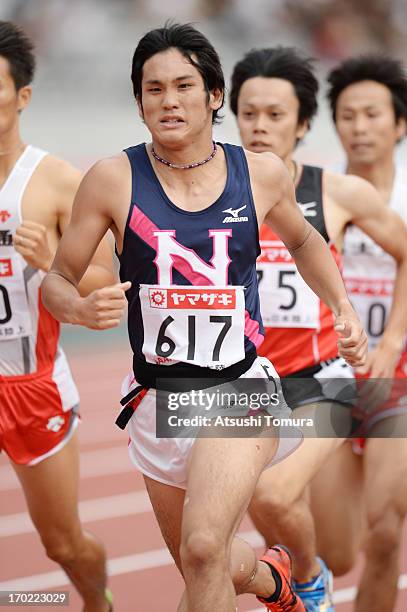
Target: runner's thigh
{"points": [[385, 465], [222, 476], [51, 490]]}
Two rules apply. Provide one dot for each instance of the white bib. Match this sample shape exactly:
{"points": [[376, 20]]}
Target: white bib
{"points": [[368, 271], [15, 320], [369, 279], [372, 299], [285, 298], [202, 325]]}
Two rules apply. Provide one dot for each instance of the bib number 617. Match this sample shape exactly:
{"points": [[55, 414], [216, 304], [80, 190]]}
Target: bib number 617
{"points": [[165, 346]]}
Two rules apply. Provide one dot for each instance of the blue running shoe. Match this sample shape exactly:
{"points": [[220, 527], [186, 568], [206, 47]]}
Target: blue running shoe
{"points": [[316, 594]]}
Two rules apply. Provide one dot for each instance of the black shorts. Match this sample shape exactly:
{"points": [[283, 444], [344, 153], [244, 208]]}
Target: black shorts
{"points": [[332, 381]]}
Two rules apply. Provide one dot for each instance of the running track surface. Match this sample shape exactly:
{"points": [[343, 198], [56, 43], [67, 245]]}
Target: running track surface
{"points": [[115, 507]]}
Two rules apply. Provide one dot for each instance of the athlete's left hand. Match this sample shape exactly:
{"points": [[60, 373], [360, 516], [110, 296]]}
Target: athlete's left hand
{"points": [[381, 362], [30, 240], [352, 343]]}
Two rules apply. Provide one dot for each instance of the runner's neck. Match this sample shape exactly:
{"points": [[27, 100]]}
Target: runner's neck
{"points": [[11, 147], [189, 189], [380, 175], [294, 169]]}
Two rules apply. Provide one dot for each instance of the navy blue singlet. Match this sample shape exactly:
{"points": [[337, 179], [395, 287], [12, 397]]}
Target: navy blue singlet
{"points": [[194, 236]]}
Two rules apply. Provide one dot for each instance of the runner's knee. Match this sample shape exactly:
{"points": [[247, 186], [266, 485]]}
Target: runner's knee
{"points": [[202, 547], [274, 502], [384, 533], [62, 547], [340, 562]]}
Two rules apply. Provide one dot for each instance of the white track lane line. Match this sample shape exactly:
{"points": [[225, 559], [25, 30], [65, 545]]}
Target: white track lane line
{"points": [[97, 509], [120, 565], [103, 462], [151, 559]]}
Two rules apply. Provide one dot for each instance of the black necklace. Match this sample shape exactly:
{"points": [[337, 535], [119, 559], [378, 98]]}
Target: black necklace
{"points": [[185, 166]]}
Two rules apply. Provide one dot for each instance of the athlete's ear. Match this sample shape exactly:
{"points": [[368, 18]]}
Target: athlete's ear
{"points": [[401, 128], [23, 97], [302, 129], [216, 99]]}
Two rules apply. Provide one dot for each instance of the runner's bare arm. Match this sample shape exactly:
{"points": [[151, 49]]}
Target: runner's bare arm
{"points": [[104, 189], [100, 271], [388, 230], [37, 241], [314, 261]]}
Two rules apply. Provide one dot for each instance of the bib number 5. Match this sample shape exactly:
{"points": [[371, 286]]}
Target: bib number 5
{"points": [[283, 284]]}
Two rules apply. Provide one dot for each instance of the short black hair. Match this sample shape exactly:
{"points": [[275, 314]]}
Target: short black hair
{"points": [[282, 63], [190, 42], [17, 49], [381, 68]]}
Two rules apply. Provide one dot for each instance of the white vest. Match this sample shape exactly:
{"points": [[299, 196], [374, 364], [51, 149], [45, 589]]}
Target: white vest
{"points": [[19, 289], [369, 272]]}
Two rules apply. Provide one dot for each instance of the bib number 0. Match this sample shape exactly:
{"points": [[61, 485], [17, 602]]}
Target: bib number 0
{"points": [[376, 319], [5, 308]]}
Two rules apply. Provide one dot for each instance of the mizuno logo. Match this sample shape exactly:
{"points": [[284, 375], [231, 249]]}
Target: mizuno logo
{"points": [[308, 209], [235, 212], [234, 215]]}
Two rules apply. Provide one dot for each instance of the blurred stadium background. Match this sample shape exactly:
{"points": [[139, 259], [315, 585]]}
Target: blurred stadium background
{"points": [[83, 109]]}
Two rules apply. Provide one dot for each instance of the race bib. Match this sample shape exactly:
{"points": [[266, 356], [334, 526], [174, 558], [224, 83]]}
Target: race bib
{"points": [[203, 325], [15, 320], [285, 298], [372, 299]]}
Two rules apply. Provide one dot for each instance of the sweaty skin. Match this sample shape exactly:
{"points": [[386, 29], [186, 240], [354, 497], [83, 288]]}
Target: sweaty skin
{"points": [[374, 496], [268, 111], [51, 486], [268, 121], [176, 110]]}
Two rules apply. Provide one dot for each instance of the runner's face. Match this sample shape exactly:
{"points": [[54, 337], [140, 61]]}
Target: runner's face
{"points": [[267, 116], [11, 101], [174, 101], [366, 124]]}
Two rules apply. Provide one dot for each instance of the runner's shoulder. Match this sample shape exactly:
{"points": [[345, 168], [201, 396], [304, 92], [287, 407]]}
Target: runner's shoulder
{"points": [[109, 170], [267, 170], [108, 180], [349, 191], [59, 174]]}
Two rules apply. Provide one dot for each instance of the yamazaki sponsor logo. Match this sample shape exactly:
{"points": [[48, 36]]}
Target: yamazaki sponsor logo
{"points": [[6, 267], [190, 298], [276, 252], [369, 286], [4, 216]]}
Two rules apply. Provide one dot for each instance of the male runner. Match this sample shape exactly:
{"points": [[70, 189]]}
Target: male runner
{"points": [[368, 98], [38, 398], [170, 205], [274, 95]]}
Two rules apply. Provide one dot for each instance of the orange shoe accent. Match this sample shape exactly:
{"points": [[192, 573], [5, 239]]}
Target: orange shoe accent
{"points": [[279, 558]]}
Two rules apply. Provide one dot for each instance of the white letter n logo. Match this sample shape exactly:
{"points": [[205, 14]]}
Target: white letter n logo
{"points": [[171, 254]]}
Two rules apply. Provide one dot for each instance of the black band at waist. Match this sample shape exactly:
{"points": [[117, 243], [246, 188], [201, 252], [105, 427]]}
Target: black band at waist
{"points": [[309, 372], [147, 374]]}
